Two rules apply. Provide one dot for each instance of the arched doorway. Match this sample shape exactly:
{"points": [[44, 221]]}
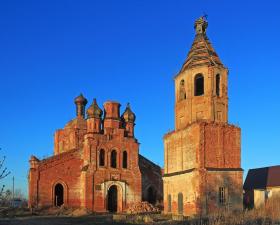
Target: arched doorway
{"points": [[112, 199], [151, 195], [58, 195]]}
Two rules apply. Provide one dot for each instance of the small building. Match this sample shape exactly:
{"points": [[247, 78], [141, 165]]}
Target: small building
{"points": [[261, 184], [96, 163]]}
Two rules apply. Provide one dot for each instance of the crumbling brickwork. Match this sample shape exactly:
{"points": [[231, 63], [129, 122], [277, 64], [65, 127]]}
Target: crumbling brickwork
{"points": [[202, 171], [96, 163], [151, 181]]}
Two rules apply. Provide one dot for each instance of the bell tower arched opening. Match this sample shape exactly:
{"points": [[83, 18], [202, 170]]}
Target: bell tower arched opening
{"points": [[198, 85]]}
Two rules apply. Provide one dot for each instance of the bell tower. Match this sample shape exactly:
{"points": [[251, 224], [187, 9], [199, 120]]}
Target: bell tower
{"points": [[202, 156], [201, 85]]}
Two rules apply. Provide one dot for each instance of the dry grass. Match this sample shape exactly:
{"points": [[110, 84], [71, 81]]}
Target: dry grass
{"points": [[268, 214]]}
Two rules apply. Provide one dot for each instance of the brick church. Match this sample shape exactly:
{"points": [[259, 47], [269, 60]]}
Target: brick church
{"points": [[96, 164], [202, 171]]}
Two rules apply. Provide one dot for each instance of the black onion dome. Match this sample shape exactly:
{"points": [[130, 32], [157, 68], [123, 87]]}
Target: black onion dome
{"points": [[94, 111], [128, 115], [81, 99]]}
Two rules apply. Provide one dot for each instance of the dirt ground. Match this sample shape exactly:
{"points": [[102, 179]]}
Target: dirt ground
{"points": [[60, 220], [67, 216]]}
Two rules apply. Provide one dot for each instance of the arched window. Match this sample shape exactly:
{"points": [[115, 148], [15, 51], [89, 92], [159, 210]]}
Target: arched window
{"points": [[182, 91], [198, 85], [169, 203], [218, 84], [180, 203], [101, 157], [114, 159], [124, 160]]}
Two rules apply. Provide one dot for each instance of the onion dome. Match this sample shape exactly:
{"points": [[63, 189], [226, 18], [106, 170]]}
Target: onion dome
{"points": [[128, 115], [94, 111], [81, 100]]}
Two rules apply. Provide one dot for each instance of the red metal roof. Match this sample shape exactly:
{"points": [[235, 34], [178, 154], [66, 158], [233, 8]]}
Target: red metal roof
{"points": [[261, 178]]}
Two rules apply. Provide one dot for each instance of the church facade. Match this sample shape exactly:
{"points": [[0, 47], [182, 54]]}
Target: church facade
{"points": [[202, 162], [96, 164]]}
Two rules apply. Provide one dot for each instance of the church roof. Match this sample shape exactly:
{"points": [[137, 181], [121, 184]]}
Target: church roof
{"points": [[262, 178], [201, 53]]}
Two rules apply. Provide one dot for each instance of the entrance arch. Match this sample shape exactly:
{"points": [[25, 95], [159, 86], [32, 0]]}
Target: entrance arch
{"points": [[151, 195], [112, 199], [58, 195]]}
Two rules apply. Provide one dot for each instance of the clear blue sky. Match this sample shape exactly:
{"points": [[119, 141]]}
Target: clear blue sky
{"points": [[129, 51]]}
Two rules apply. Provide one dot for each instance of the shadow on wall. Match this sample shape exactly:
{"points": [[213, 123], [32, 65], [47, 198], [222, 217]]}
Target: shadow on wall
{"points": [[152, 184], [224, 191], [219, 190]]}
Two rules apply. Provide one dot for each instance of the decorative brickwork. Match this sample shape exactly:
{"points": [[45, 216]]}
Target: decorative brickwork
{"points": [[96, 163]]}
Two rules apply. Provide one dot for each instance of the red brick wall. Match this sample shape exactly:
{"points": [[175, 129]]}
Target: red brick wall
{"points": [[65, 169], [220, 145]]}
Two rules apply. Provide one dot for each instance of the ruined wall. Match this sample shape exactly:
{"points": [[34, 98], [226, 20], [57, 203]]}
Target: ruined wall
{"points": [[71, 137], [152, 185]]}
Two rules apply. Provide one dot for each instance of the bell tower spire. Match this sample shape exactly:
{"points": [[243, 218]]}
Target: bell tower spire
{"points": [[200, 25], [201, 84]]}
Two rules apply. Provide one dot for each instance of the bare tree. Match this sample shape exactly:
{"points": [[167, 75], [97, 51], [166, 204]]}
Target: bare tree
{"points": [[3, 172], [6, 198]]}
